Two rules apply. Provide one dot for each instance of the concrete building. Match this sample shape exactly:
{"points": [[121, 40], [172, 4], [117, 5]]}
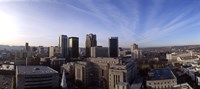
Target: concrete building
{"points": [[99, 51], [90, 42], [28, 77], [182, 86], [81, 74], [56, 63], [162, 78], [54, 51], [51, 51], [122, 85], [134, 47], [135, 52], [40, 50], [73, 47], [63, 45], [104, 73], [187, 59], [113, 47], [122, 74]]}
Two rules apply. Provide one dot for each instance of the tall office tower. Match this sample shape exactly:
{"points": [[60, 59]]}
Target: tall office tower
{"points": [[27, 47], [63, 45], [90, 42], [73, 47], [28, 54], [113, 47]]}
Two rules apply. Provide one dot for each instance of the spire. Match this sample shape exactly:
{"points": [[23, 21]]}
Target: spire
{"points": [[63, 81]]}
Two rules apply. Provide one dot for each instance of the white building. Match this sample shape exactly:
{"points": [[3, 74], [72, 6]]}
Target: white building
{"points": [[162, 78], [122, 85], [182, 86], [36, 77]]}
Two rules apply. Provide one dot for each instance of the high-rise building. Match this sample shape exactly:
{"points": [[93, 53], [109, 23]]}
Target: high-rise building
{"points": [[27, 47], [73, 47], [113, 47], [90, 42], [63, 45]]}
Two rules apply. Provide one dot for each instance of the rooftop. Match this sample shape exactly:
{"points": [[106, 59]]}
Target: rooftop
{"points": [[182, 86], [189, 57], [23, 70], [161, 74]]}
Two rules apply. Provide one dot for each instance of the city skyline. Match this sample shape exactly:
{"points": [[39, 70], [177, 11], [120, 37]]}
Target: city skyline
{"points": [[145, 22]]}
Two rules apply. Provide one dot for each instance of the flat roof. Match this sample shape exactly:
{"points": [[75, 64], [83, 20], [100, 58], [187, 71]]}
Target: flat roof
{"points": [[30, 70], [161, 74]]}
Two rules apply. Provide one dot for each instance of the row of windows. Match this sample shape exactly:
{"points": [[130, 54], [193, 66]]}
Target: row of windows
{"points": [[39, 84], [42, 80], [39, 77], [161, 83]]}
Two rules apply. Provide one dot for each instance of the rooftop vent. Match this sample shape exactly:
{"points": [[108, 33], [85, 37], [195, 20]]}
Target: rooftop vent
{"points": [[36, 69]]}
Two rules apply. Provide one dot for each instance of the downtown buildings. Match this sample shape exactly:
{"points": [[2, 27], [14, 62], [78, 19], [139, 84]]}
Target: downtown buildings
{"points": [[69, 47], [104, 73], [91, 41]]}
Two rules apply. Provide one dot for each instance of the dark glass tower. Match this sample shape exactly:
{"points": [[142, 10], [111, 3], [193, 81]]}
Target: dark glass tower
{"points": [[113, 47], [90, 42], [73, 47], [63, 45]]}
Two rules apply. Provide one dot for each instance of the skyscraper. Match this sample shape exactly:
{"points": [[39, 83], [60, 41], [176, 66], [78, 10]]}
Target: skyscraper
{"points": [[63, 45], [113, 47], [73, 47], [90, 42], [27, 47]]}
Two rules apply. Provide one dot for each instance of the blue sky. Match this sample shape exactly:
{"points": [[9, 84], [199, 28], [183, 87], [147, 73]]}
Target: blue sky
{"points": [[145, 22]]}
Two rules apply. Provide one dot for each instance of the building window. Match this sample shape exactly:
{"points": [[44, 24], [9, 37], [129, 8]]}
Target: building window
{"points": [[102, 72]]}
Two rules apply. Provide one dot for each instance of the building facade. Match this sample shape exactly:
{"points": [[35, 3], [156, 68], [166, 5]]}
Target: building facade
{"points": [[99, 51], [135, 52], [90, 42], [63, 45], [104, 73], [28, 77], [162, 78], [73, 47], [113, 47]]}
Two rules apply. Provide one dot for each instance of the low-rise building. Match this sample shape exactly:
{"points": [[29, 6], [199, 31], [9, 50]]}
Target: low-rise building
{"points": [[182, 86], [162, 78], [99, 51], [122, 85], [28, 77]]}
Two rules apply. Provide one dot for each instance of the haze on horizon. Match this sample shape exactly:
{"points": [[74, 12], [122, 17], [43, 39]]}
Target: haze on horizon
{"points": [[145, 22]]}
